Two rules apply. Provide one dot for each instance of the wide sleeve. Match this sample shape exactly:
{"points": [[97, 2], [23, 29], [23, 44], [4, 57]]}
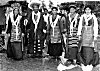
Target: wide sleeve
{"points": [[48, 26], [43, 24], [29, 18], [80, 26], [63, 24], [95, 27], [9, 26], [22, 25]]}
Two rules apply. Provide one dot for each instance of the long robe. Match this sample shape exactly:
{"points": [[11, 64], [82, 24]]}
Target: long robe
{"points": [[15, 29], [55, 36], [88, 29], [36, 34], [72, 26]]}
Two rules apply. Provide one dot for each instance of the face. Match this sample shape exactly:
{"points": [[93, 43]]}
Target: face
{"points": [[36, 8], [16, 11], [54, 11], [46, 11], [72, 10], [63, 11], [88, 10]]}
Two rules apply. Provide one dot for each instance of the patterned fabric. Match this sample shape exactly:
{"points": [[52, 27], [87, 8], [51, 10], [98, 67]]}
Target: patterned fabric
{"points": [[16, 27], [15, 37], [73, 40], [37, 47], [72, 28], [87, 35], [57, 36]]}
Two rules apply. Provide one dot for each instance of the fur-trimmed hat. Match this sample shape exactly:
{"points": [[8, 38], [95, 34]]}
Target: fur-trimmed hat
{"points": [[72, 6], [34, 2]]}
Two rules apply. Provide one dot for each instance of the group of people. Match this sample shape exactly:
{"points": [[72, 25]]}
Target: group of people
{"points": [[69, 36]]}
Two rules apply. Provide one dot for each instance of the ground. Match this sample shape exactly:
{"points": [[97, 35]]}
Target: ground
{"points": [[28, 64]]}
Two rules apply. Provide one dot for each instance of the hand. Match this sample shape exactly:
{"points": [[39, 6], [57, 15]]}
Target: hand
{"points": [[22, 34], [8, 35], [44, 31]]}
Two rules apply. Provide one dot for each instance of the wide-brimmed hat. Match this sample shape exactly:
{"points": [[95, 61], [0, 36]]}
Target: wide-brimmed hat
{"points": [[34, 2]]}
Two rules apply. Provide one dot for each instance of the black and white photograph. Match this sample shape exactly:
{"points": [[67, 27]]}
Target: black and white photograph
{"points": [[49, 35]]}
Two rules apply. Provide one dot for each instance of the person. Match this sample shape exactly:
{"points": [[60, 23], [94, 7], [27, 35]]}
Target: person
{"points": [[72, 25], [46, 15], [15, 32], [37, 28], [88, 33], [54, 34], [2, 26], [64, 13], [69, 58]]}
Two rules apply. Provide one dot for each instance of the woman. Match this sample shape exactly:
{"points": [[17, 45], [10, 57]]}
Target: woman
{"points": [[15, 31], [72, 26], [54, 31], [88, 30]]}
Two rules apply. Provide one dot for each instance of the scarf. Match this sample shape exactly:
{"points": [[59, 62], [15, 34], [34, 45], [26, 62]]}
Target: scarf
{"points": [[53, 24], [16, 22], [74, 20], [37, 21]]}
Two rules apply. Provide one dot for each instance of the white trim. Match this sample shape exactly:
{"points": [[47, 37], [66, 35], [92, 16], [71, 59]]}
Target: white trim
{"points": [[74, 20], [35, 22], [16, 22], [87, 18], [53, 24]]}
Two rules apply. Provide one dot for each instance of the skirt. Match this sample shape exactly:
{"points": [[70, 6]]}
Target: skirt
{"points": [[14, 50], [72, 53], [87, 56], [55, 49]]}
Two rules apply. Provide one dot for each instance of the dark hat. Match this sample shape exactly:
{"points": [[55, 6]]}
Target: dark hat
{"points": [[64, 8], [89, 6], [72, 6]]}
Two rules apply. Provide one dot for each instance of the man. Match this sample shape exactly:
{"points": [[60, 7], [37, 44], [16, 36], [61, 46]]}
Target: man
{"points": [[36, 27]]}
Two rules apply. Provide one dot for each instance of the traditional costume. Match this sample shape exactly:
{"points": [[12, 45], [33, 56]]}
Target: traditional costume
{"points": [[88, 30], [15, 29], [54, 30], [36, 26], [72, 26]]}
